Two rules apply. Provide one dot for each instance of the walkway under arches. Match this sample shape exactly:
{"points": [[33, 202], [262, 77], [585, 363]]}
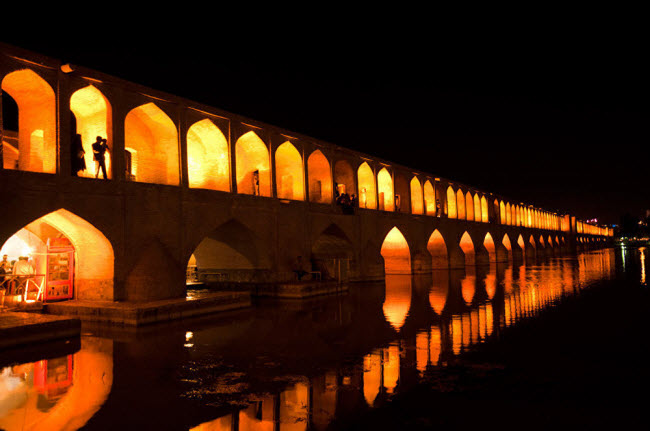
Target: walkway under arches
{"points": [[396, 253]]}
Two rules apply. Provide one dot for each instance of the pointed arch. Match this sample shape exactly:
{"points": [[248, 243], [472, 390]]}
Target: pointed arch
{"points": [[438, 250], [208, 157], [396, 253], [93, 115], [367, 191], [320, 178], [484, 210], [344, 181], [502, 212], [467, 246], [417, 199], [430, 206], [252, 166], [385, 190], [289, 176], [488, 243], [469, 206], [452, 210], [153, 136], [36, 149], [477, 208], [460, 204], [93, 253]]}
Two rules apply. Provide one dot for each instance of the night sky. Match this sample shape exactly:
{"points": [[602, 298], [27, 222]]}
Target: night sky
{"points": [[544, 115]]}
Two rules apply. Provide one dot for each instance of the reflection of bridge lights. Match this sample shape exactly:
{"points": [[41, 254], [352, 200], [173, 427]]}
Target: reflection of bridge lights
{"points": [[642, 250], [189, 336]]}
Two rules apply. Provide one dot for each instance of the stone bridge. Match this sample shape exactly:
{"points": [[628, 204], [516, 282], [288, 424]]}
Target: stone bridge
{"points": [[190, 185]]}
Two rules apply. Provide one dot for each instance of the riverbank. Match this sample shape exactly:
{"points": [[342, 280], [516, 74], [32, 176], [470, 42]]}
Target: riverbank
{"points": [[581, 364]]}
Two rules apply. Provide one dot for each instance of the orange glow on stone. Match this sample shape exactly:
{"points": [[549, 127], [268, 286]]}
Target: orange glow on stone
{"points": [[367, 191], [417, 206], [438, 251], [208, 159], [460, 205], [94, 118], [36, 150], [386, 191], [252, 166], [152, 134], [467, 246], [320, 178], [429, 199], [396, 253], [452, 210], [289, 173]]}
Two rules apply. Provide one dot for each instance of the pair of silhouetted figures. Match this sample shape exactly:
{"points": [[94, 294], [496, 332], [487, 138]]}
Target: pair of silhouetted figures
{"points": [[99, 156]]}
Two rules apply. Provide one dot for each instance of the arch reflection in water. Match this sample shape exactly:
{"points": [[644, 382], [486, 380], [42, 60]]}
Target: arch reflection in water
{"points": [[57, 394]]}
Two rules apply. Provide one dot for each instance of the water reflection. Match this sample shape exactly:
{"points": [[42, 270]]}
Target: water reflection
{"points": [[291, 366]]}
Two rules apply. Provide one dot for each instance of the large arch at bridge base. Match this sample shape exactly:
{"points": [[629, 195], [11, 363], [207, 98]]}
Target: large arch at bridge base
{"points": [[71, 257]]}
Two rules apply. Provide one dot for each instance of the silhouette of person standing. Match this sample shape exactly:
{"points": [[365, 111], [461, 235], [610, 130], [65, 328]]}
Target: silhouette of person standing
{"points": [[77, 151], [99, 155]]}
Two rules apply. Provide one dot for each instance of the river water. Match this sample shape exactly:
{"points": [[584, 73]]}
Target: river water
{"points": [[416, 352]]}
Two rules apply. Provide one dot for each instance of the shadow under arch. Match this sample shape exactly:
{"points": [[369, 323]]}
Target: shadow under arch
{"points": [[332, 252], [234, 251], [94, 261]]}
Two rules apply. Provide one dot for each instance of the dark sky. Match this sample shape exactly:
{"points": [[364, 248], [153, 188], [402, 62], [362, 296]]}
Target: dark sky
{"points": [[552, 117]]}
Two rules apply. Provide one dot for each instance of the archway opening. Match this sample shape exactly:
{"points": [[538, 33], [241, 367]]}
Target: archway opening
{"points": [[152, 135], [367, 192], [396, 253], [344, 178], [320, 178], [438, 250], [289, 176], [208, 158], [92, 113], [508, 245], [460, 204], [331, 254], [402, 194], [32, 146], [252, 166], [484, 210], [452, 210], [385, 188], [488, 243], [430, 204], [60, 256], [231, 253], [469, 206], [467, 246], [417, 206]]}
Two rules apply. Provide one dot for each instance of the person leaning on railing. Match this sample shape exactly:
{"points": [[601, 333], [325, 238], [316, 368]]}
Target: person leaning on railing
{"points": [[23, 271]]}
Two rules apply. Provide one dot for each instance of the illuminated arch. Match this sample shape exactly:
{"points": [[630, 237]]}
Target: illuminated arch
{"points": [[469, 207], [289, 177], [521, 243], [430, 206], [252, 166], [36, 149], [93, 252], [93, 117], [502, 213], [484, 210], [417, 199], [467, 246], [452, 210], [208, 158], [386, 192], [396, 253], [488, 243], [438, 250], [152, 134], [320, 178], [508, 214], [460, 204], [508, 245], [531, 241], [367, 193], [344, 178], [477, 208]]}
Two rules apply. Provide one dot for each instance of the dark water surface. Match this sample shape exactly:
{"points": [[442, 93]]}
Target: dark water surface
{"points": [[559, 342]]}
